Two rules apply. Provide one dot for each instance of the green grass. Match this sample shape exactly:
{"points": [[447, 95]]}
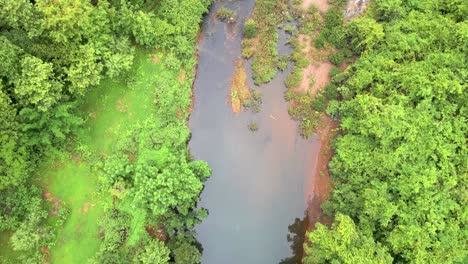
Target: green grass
{"points": [[76, 187], [110, 109]]}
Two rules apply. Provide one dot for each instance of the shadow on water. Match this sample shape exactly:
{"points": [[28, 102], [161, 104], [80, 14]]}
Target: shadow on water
{"points": [[296, 237], [258, 182]]}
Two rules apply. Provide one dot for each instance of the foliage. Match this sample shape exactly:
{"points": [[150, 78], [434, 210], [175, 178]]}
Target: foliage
{"points": [[155, 252], [337, 58], [255, 101], [253, 126], [54, 55], [399, 168], [250, 28], [333, 30], [267, 16], [226, 15], [365, 33], [186, 253], [344, 243]]}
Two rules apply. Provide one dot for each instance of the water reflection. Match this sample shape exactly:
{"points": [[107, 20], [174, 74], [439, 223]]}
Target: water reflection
{"points": [[296, 236]]}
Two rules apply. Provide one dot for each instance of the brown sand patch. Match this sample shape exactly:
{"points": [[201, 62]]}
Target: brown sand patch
{"points": [[122, 106], [322, 184], [155, 59], [182, 76], [46, 254], [240, 90], [160, 233], [77, 159], [86, 206], [322, 5], [54, 202], [305, 43], [180, 114], [315, 77]]}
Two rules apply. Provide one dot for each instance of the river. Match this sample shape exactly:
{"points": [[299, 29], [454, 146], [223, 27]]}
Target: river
{"points": [[259, 181]]}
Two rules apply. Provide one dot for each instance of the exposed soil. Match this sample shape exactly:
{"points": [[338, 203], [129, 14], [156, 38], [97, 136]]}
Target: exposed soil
{"points": [[46, 254], [314, 77], [54, 202], [155, 59], [321, 185], [122, 106], [355, 8], [322, 5]]}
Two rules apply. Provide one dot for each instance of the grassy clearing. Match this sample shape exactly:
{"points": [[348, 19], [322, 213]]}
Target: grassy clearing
{"points": [[110, 109]]}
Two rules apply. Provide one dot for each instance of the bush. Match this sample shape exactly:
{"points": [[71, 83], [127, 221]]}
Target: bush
{"points": [[319, 103], [333, 72], [253, 126], [294, 79], [250, 29], [337, 58], [331, 92], [226, 15], [283, 63]]}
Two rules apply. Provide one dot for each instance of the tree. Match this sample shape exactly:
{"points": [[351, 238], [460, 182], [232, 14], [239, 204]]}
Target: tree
{"points": [[36, 85], [155, 252], [365, 34], [344, 243], [186, 253]]}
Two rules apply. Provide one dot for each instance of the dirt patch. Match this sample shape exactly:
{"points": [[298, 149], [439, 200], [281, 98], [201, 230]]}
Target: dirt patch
{"points": [[85, 208], [315, 77], [54, 202], [182, 76], [122, 106], [316, 74], [45, 253], [160, 233], [355, 8], [240, 90], [322, 5], [155, 59], [180, 113], [322, 184]]}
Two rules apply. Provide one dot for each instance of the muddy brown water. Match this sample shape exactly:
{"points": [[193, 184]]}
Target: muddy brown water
{"points": [[260, 180]]}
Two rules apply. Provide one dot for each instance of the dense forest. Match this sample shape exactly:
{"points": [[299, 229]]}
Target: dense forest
{"points": [[55, 56], [94, 101], [400, 164]]}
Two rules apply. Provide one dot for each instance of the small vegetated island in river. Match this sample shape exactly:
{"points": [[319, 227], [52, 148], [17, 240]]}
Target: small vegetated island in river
{"points": [[95, 97]]}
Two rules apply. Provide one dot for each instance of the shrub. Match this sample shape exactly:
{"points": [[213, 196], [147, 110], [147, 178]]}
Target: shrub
{"points": [[319, 103], [250, 29], [331, 92], [226, 15], [253, 126], [337, 58], [333, 72], [283, 63], [294, 79]]}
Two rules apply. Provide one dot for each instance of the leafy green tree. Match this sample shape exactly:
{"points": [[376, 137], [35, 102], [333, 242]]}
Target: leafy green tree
{"points": [[36, 85], [365, 34], [344, 243], [154, 252], [186, 253]]}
